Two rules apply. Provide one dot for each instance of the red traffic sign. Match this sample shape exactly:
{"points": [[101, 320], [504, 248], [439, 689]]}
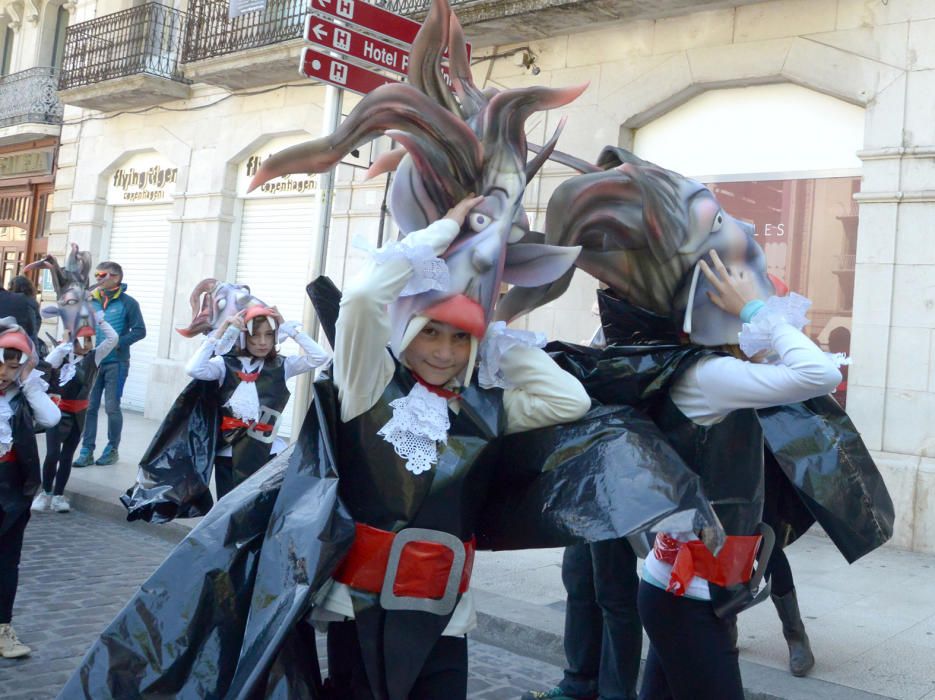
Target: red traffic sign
{"points": [[319, 30], [373, 18], [370, 16], [340, 73]]}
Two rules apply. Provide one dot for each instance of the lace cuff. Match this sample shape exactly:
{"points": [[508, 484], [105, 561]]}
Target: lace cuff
{"points": [[419, 420], [35, 382], [226, 342], [497, 343], [289, 329], [757, 335], [839, 359], [428, 271]]}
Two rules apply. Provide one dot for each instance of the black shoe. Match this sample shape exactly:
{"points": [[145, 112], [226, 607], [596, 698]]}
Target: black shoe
{"points": [[555, 693]]}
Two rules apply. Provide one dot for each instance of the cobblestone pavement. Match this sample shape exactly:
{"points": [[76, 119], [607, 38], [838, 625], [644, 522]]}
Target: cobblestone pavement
{"points": [[77, 572]]}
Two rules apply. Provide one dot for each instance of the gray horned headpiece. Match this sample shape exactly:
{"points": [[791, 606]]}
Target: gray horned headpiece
{"points": [[452, 145], [72, 286], [642, 230]]}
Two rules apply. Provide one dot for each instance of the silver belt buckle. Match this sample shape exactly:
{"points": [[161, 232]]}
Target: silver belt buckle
{"points": [[441, 606]]}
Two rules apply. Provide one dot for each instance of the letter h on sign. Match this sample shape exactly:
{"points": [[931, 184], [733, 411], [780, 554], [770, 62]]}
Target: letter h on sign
{"points": [[338, 73], [341, 40], [345, 8]]}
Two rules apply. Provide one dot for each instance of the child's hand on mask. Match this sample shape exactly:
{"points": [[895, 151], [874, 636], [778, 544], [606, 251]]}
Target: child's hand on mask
{"points": [[732, 290], [460, 210]]}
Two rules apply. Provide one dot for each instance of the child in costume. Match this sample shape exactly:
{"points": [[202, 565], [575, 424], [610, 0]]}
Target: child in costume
{"points": [[691, 653], [251, 375], [415, 423], [75, 363], [23, 405]]}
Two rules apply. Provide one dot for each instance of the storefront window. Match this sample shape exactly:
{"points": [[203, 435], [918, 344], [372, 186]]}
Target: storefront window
{"points": [[808, 230]]}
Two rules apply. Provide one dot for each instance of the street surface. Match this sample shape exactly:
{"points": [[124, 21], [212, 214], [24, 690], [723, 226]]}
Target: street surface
{"points": [[78, 571]]}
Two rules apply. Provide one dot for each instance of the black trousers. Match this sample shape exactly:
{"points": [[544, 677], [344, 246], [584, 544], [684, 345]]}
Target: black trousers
{"points": [[11, 547], [61, 441], [443, 677], [603, 635], [690, 654]]}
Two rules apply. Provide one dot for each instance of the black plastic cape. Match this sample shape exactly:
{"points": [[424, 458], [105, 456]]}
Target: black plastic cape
{"points": [[818, 468], [820, 453], [175, 470], [224, 615]]}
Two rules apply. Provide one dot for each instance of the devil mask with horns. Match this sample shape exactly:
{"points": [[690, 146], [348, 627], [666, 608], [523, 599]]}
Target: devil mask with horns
{"points": [[72, 288], [452, 145]]}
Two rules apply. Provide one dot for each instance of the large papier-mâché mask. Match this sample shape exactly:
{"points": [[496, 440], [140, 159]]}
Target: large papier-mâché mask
{"points": [[213, 302], [643, 230], [71, 284], [451, 146]]}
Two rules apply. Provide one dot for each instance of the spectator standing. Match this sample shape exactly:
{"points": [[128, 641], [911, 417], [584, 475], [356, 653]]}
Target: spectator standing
{"points": [[123, 314], [20, 303]]}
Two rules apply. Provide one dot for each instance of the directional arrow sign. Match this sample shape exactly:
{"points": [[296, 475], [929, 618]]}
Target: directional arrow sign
{"points": [[319, 30], [371, 17], [339, 73]]}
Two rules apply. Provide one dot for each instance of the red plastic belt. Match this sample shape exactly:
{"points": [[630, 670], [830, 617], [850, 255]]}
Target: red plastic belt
{"points": [[231, 423], [10, 456], [70, 405], [424, 567], [732, 565]]}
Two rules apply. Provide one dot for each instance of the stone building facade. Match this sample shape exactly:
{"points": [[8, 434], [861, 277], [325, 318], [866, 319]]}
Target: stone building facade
{"points": [[153, 164]]}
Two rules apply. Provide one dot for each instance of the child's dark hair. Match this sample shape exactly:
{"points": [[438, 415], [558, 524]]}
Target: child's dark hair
{"points": [[11, 355], [22, 285]]}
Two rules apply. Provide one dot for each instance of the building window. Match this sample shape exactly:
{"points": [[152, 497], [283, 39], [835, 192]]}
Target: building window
{"points": [[7, 58], [58, 47]]}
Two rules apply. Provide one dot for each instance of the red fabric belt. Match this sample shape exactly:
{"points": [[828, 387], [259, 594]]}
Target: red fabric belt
{"points": [[732, 565], [70, 405], [231, 423], [9, 456], [423, 570]]}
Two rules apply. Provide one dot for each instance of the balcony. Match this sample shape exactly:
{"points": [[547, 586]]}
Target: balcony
{"points": [[29, 106], [256, 48], [125, 60]]}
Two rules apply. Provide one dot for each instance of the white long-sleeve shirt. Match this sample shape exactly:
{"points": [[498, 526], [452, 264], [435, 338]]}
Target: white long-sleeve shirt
{"points": [[45, 412], [207, 366], [363, 368], [65, 352], [715, 386]]}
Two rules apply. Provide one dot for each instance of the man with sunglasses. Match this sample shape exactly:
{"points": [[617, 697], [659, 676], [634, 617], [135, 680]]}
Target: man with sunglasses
{"points": [[122, 312]]}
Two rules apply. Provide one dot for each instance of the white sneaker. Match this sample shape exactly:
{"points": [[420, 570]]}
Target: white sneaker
{"points": [[10, 646], [60, 504], [41, 502]]}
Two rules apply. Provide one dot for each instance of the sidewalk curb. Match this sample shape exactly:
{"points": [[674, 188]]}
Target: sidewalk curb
{"points": [[535, 631], [97, 500], [530, 630]]}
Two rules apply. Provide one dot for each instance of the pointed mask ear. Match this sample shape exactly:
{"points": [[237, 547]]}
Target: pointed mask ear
{"points": [[532, 265]]}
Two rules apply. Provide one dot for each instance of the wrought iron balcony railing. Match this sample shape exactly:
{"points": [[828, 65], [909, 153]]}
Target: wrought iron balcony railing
{"points": [[212, 33], [29, 97], [146, 39]]}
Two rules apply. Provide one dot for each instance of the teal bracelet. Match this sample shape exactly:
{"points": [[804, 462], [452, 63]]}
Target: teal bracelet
{"points": [[751, 309]]}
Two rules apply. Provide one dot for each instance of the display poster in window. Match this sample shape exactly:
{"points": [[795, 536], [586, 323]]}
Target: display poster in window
{"points": [[808, 230]]}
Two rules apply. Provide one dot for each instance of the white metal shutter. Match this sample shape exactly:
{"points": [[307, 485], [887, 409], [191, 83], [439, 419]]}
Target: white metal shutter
{"points": [[139, 243], [277, 241]]}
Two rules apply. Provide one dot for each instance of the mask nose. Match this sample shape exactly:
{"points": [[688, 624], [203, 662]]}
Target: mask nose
{"points": [[782, 289]]}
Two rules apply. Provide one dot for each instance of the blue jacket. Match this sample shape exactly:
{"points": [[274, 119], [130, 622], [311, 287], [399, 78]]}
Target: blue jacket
{"points": [[123, 313]]}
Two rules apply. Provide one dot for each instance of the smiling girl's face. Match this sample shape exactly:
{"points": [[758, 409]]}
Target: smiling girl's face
{"points": [[439, 352]]}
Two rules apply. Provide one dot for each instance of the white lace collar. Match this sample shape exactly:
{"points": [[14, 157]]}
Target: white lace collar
{"points": [[420, 420]]}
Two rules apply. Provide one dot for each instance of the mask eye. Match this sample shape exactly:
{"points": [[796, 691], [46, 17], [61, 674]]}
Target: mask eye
{"points": [[221, 304], [478, 221], [718, 222]]}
